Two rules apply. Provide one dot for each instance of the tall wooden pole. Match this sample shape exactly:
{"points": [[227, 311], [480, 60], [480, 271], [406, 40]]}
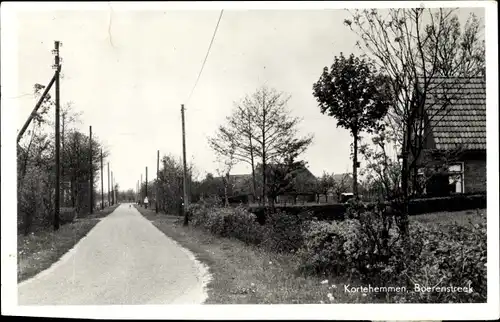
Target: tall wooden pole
{"points": [[57, 66], [146, 187], [157, 175], [102, 185], [91, 174], [112, 190], [109, 195], [184, 186]]}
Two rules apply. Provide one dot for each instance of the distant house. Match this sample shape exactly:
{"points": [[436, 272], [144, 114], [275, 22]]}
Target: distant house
{"points": [[241, 186], [459, 130]]}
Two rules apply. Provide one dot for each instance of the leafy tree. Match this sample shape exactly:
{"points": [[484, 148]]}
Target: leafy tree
{"points": [[325, 184], [355, 94]]}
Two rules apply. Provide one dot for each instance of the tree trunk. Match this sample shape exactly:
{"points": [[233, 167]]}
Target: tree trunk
{"points": [[405, 180], [263, 152], [355, 166], [226, 199], [254, 182]]}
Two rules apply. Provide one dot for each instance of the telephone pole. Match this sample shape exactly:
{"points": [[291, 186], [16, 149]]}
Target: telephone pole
{"points": [[140, 191], [157, 175], [112, 190], [109, 196], [91, 180], [146, 187], [57, 67], [184, 186], [102, 185]]}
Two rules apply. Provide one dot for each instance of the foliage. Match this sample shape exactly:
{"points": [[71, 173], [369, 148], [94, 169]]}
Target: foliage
{"points": [[355, 94], [227, 222], [368, 247], [261, 126], [382, 172], [284, 231], [421, 51], [170, 184], [36, 178]]}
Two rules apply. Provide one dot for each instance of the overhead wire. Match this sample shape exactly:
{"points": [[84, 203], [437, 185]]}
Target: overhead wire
{"points": [[206, 57]]}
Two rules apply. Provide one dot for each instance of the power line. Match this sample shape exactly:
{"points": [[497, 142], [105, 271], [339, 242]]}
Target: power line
{"points": [[206, 56]]}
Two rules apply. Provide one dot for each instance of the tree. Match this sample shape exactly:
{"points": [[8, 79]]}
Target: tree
{"points": [[36, 178], [340, 185], [383, 175], [276, 130], [325, 184], [419, 57], [226, 163], [355, 94], [236, 140]]}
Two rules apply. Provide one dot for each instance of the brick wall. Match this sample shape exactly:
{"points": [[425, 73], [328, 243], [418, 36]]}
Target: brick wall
{"points": [[475, 175]]}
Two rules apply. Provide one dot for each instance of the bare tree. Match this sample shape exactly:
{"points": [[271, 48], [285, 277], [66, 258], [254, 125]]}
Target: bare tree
{"points": [[236, 139], [276, 130], [420, 58]]}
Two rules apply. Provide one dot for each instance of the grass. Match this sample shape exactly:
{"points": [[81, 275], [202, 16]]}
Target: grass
{"points": [[39, 250], [243, 274]]}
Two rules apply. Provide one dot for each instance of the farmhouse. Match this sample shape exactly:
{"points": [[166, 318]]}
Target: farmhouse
{"points": [[456, 135]]}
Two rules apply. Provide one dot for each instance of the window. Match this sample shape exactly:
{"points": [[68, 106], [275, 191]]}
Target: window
{"points": [[456, 177]]}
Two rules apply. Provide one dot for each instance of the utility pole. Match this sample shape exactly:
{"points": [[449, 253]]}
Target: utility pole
{"points": [[109, 196], [157, 175], [137, 196], [185, 199], [146, 187], [102, 185], [112, 190], [140, 191], [57, 67], [91, 180]]}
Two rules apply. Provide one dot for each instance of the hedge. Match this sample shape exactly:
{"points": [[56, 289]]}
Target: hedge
{"points": [[330, 212]]}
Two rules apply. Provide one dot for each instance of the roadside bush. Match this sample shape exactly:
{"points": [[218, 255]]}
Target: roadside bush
{"points": [[367, 246], [450, 255], [284, 231], [227, 222], [451, 203]]}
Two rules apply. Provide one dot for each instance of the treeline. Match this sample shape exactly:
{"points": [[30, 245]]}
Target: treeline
{"points": [[36, 185]]}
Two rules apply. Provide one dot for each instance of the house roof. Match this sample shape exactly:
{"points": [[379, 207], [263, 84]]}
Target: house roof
{"points": [[463, 124], [347, 177]]}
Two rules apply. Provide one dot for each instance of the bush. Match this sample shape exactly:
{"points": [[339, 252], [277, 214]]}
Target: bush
{"points": [[368, 246], [451, 203], [450, 255], [322, 212], [331, 212], [227, 222], [284, 231]]}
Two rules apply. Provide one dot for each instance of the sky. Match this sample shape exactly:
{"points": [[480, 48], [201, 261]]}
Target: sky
{"points": [[130, 71]]}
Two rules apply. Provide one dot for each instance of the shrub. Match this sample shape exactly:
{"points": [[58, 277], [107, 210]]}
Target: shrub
{"points": [[452, 203], [284, 231], [450, 255], [323, 249], [369, 247], [227, 222]]}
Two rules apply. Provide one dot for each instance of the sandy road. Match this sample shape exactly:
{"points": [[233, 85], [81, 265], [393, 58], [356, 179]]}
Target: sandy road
{"points": [[123, 260]]}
